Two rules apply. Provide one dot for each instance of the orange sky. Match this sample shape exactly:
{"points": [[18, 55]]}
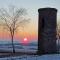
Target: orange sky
{"points": [[29, 31], [32, 7]]}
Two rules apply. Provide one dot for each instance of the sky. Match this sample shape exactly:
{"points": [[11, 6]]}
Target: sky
{"points": [[32, 6]]}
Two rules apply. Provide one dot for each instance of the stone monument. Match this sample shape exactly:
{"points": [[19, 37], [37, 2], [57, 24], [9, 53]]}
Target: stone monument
{"points": [[47, 30]]}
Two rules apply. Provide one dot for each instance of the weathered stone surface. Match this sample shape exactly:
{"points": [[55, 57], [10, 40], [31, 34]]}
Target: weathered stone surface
{"points": [[47, 30]]}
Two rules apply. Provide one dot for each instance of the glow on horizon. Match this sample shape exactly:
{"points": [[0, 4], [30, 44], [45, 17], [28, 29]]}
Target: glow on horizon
{"points": [[32, 36]]}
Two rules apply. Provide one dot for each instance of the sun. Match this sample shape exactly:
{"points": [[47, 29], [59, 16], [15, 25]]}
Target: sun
{"points": [[25, 39]]}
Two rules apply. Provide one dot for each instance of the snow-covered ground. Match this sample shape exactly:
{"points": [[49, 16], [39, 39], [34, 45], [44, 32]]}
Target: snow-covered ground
{"points": [[27, 48], [19, 47], [32, 57]]}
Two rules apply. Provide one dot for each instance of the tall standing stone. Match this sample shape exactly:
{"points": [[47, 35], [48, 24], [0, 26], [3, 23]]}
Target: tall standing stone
{"points": [[47, 30]]}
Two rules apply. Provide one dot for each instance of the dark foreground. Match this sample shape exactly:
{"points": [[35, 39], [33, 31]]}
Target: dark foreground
{"points": [[10, 54], [28, 56]]}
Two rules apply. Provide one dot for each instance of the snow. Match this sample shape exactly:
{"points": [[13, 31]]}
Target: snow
{"points": [[34, 57], [19, 48], [30, 48]]}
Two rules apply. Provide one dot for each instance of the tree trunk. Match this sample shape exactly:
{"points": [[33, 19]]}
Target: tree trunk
{"points": [[13, 45]]}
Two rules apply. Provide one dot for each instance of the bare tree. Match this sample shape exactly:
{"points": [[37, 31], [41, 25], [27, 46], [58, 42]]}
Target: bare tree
{"points": [[12, 19], [58, 35], [58, 28]]}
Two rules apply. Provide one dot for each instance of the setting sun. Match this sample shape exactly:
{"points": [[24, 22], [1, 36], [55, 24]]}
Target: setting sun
{"points": [[25, 39]]}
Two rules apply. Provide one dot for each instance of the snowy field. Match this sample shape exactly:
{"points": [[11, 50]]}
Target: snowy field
{"points": [[32, 57], [27, 48], [19, 48]]}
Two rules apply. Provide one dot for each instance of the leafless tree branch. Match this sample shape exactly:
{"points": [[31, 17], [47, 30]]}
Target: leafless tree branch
{"points": [[13, 21]]}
